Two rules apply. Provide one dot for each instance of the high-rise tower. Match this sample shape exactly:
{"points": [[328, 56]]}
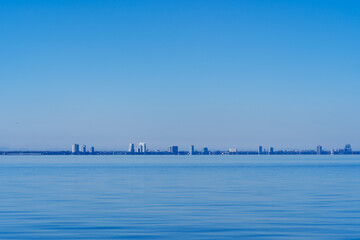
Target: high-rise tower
{"points": [[174, 150], [131, 147], [83, 149], [142, 147], [319, 150], [271, 150], [348, 149], [91, 150], [75, 148], [192, 149]]}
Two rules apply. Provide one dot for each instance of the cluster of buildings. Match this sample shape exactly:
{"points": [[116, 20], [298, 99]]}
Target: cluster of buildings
{"points": [[76, 149], [334, 151], [141, 148], [319, 151], [263, 151]]}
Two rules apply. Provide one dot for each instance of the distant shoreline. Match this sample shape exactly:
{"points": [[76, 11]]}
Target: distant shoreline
{"points": [[101, 153]]}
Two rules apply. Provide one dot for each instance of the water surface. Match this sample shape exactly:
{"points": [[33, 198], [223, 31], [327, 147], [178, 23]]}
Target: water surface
{"points": [[180, 197]]}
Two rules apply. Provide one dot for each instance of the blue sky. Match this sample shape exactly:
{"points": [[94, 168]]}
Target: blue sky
{"points": [[210, 73]]}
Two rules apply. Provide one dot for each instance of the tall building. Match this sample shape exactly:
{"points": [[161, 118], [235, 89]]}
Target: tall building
{"points": [[174, 150], [260, 151], [206, 151], [319, 150], [232, 150], [348, 149], [192, 150], [92, 150], [75, 148], [83, 149], [271, 150], [333, 151], [131, 147], [142, 147]]}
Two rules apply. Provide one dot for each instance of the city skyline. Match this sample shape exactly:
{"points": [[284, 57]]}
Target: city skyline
{"points": [[192, 150], [175, 150], [142, 147]]}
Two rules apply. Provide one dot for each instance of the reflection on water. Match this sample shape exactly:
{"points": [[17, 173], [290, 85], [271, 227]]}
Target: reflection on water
{"points": [[177, 197]]}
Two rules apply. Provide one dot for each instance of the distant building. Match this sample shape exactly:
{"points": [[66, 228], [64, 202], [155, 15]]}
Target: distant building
{"points": [[319, 150], [142, 147], [271, 150], [348, 149], [174, 150], [333, 151], [232, 150], [131, 147], [91, 150], [83, 149], [75, 148], [192, 149], [206, 151], [260, 151]]}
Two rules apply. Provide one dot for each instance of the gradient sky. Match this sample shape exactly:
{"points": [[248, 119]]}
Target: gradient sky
{"points": [[210, 73]]}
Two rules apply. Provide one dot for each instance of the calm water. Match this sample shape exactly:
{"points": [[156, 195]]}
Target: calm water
{"points": [[173, 197]]}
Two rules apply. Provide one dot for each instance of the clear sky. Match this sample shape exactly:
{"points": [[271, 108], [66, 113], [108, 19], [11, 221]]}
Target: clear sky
{"points": [[210, 73]]}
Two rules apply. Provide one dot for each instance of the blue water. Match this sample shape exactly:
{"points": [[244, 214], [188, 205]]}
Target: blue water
{"points": [[178, 197]]}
